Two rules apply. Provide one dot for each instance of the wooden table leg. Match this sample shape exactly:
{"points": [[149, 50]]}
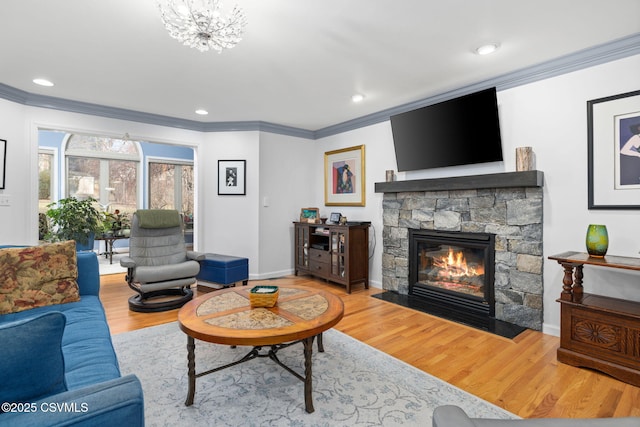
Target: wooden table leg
{"points": [[191, 365], [577, 288], [308, 398], [110, 250], [567, 282]]}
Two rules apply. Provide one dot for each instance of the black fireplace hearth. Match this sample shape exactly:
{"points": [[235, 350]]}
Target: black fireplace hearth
{"points": [[495, 326]]}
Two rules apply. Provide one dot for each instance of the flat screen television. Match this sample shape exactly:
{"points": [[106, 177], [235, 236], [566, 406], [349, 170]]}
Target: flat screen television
{"points": [[460, 131]]}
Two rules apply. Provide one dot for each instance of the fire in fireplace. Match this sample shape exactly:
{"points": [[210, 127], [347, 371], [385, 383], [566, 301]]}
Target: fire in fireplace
{"points": [[453, 271]]}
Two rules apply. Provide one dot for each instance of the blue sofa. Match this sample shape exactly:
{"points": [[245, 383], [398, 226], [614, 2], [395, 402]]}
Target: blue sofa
{"points": [[96, 393]]}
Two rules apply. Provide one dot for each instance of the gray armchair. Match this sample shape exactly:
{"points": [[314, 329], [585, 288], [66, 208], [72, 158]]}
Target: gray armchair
{"points": [[454, 416], [159, 267]]}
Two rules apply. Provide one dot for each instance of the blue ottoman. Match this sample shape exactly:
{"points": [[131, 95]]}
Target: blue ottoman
{"points": [[224, 270]]}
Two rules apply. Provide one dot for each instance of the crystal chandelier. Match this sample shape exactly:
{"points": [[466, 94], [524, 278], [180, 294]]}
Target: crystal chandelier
{"points": [[199, 23]]}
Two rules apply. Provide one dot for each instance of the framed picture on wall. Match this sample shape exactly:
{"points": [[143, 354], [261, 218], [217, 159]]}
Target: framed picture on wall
{"points": [[232, 176], [344, 177], [614, 152], [3, 162]]}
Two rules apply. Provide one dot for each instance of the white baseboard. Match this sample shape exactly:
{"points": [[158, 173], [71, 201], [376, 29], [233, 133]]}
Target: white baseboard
{"points": [[551, 330], [270, 275]]}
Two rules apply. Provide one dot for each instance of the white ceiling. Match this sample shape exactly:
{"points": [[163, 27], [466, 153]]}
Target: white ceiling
{"points": [[300, 60]]}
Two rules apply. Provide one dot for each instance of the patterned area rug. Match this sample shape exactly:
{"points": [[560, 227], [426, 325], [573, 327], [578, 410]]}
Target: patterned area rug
{"points": [[353, 385]]}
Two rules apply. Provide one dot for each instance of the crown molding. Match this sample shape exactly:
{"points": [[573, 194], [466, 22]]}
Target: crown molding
{"points": [[607, 52], [586, 58]]}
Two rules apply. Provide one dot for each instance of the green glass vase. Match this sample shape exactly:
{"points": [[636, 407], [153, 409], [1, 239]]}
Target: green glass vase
{"points": [[597, 240]]}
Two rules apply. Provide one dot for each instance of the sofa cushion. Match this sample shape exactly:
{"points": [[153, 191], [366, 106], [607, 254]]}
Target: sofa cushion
{"points": [[37, 276], [162, 273], [88, 351], [32, 362]]}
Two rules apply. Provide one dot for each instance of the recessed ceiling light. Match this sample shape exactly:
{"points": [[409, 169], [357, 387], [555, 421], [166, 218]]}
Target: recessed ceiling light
{"points": [[202, 112], [358, 97], [43, 82], [487, 48]]}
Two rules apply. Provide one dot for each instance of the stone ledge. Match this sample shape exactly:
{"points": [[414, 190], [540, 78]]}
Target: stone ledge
{"points": [[496, 180]]}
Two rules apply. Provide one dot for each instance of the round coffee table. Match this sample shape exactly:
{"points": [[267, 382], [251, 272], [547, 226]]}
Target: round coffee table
{"points": [[226, 317]]}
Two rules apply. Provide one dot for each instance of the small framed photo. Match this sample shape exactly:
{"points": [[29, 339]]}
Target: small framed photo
{"points": [[334, 218], [309, 215], [344, 177], [232, 176]]}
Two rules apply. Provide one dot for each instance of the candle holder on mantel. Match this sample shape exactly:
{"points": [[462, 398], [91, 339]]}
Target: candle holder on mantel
{"points": [[597, 240]]}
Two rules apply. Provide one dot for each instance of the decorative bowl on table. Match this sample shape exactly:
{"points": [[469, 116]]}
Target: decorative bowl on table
{"points": [[263, 296]]}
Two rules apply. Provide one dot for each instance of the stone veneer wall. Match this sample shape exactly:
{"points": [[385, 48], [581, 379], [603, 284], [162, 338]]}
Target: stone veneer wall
{"points": [[514, 215]]}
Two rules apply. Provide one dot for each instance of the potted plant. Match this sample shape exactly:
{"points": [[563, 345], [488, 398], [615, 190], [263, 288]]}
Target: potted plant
{"points": [[116, 223], [74, 219]]}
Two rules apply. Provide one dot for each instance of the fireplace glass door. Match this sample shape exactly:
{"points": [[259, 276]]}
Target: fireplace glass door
{"points": [[453, 270], [451, 267]]}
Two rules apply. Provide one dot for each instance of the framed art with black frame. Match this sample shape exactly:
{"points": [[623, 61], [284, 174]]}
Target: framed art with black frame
{"points": [[3, 162], [614, 152], [232, 176]]}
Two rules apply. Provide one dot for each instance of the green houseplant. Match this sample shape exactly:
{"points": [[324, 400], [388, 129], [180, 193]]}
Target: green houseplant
{"points": [[74, 219], [116, 223]]}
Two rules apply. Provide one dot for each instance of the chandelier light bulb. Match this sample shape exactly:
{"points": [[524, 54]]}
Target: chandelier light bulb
{"points": [[199, 23]]}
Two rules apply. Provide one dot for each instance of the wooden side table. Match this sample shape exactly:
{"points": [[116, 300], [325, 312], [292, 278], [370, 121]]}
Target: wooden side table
{"points": [[225, 317], [598, 332]]}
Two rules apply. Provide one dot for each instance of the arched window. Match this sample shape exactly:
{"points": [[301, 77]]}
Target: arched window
{"points": [[104, 168]]}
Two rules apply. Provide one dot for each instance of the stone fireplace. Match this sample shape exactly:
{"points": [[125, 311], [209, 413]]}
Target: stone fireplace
{"points": [[505, 208]]}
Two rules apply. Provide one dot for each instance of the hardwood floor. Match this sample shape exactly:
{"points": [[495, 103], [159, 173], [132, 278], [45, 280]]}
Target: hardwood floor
{"points": [[520, 375]]}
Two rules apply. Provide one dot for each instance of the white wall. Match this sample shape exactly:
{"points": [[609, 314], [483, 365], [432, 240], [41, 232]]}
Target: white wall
{"points": [[288, 184], [228, 224], [233, 225], [379, 157], [550, 116], [277, 169], [14, 221]]}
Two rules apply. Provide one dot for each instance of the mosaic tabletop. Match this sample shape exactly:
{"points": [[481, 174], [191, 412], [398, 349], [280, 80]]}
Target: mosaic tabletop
{"points": [[226, 316]]}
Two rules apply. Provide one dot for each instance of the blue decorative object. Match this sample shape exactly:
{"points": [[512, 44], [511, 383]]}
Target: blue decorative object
{"points": [[41, 371]]}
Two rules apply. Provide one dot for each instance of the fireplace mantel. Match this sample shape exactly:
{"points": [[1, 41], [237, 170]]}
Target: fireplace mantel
{"points": [[495, 180]]}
